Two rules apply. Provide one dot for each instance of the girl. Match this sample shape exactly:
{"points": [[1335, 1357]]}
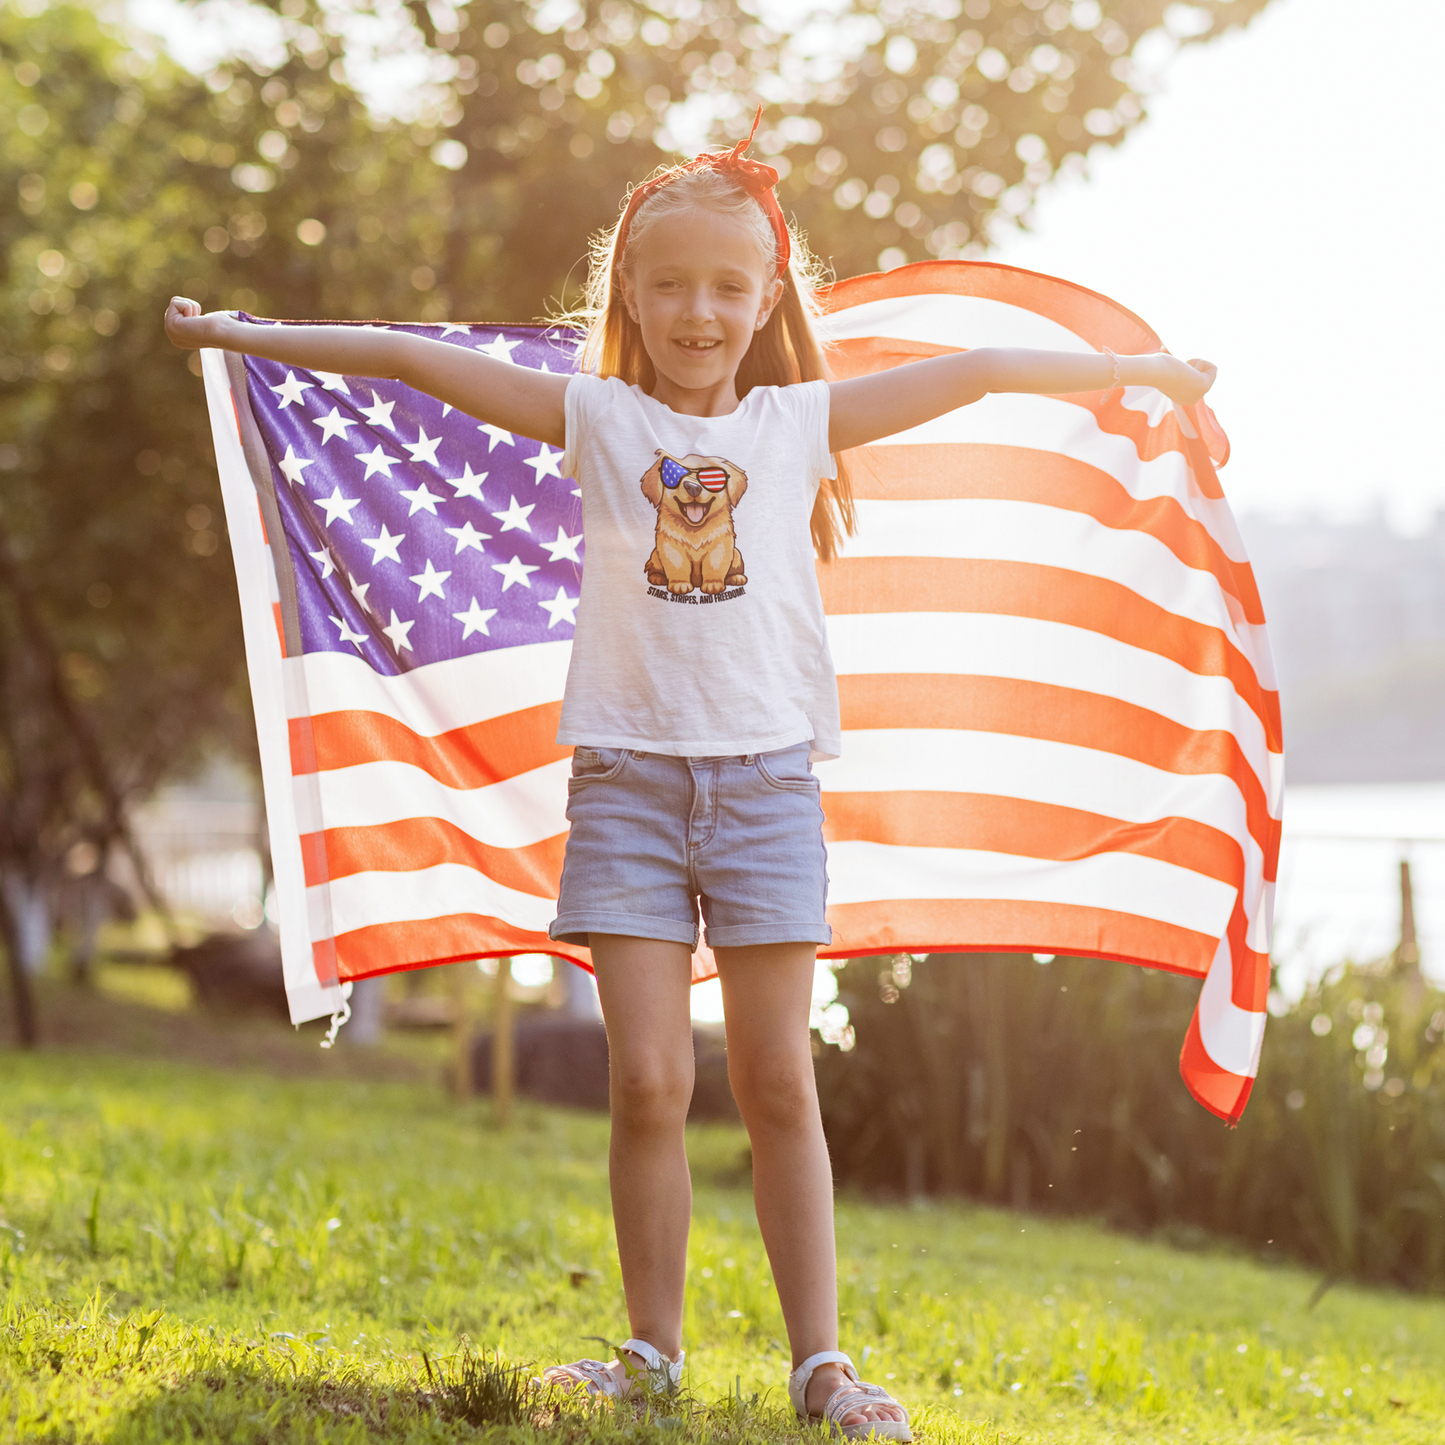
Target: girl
{"points": [[705, 437]]}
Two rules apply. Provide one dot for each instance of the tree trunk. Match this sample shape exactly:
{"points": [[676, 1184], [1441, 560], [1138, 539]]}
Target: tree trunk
{"points": [[25, 1021]]}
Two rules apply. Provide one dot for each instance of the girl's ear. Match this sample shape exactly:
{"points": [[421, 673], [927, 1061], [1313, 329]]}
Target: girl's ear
{"points": [[624, 282], [771, 296]]}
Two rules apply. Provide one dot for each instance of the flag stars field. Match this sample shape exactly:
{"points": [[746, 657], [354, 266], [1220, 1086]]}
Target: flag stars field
{"points": [[379, 412], [398, 632], [467, 536], [421, 499], [333, 425], [544, 464], [424, 448], [495, 434], [469, 484], [376, 461], [332, 381], [562, 608], [564, 549], [337, 506], [347, 635], [291, 389], [292, 466]]}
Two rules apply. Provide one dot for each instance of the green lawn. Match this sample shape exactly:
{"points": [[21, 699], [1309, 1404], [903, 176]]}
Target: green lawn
{"points": [[191, 1254]]}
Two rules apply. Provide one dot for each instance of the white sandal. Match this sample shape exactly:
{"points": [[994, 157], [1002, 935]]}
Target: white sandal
{"points": [[845, 1398], [596, 1377]]}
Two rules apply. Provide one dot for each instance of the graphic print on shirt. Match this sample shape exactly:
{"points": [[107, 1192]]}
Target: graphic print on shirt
{"points": [[695, 546]]}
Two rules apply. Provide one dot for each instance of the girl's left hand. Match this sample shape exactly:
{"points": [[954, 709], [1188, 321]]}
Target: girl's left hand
{"points": [[1184, 382]]}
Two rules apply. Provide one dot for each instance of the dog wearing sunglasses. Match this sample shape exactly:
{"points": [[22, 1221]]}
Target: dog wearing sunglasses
{"points": [[695, 544]]}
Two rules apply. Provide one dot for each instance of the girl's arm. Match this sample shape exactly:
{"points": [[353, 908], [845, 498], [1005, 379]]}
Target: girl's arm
{"points": [[869, 407], [514, 398]]}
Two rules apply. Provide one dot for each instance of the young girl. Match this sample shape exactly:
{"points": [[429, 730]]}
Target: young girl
{"points": [[704, 436]]}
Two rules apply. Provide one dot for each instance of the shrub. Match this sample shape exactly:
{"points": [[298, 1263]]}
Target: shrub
{"points": [[1055, 1087]]}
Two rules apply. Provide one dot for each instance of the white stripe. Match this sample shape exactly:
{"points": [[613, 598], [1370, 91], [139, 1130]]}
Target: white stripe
{"points": [[1121, 882], [1046, 424], [940, 319], [514, 813], [367, 899], [435, 698], [306, 996], [963, 644], [1062, 775], [1032, 532], [1231, 1036]]}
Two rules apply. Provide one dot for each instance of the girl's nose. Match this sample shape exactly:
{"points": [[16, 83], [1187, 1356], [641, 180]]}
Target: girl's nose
{"points": [[699, 305]]}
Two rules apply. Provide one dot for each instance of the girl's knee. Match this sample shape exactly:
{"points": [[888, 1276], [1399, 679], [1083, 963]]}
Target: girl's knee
{"points": [[775, 1094], [650, 1093]]}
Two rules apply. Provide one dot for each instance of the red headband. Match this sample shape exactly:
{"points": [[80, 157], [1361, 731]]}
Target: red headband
{"points": [[751, 176]]}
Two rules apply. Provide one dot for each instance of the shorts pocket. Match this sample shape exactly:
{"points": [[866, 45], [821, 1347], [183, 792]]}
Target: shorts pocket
{"points": [[787, 770], [595, 765]]}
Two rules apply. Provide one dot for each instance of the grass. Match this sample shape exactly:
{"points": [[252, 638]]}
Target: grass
{"points": [[188, 1253]]}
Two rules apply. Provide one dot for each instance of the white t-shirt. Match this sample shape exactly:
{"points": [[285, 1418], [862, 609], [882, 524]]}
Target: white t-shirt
{"points": [[700, 629]]}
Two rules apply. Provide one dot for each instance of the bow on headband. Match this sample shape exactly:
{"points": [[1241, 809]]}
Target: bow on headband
{"points": [[754, 177]]}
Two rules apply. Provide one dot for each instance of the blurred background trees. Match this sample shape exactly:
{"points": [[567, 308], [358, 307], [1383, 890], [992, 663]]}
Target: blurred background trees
{"points": [[902, 131]]}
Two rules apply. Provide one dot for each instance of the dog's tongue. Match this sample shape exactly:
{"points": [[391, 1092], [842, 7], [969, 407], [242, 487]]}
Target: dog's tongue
{"points": [[694, 511]]}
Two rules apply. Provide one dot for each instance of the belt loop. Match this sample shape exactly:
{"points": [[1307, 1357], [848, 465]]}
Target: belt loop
{"points": [[638, 755], [748, 759]]}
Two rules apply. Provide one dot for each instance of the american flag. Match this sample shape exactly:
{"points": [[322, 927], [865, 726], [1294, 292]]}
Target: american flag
{"points": [[1061, 727]]}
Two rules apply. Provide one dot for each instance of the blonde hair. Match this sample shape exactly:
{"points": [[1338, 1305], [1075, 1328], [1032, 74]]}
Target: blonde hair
{"points": [[784, 351]]}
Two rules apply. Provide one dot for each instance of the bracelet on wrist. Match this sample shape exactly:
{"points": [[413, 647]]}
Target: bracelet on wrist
{"points": [[1117, 381]]}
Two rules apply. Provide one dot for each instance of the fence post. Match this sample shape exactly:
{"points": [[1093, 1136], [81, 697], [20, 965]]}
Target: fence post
{"points": [[503, 1070]]}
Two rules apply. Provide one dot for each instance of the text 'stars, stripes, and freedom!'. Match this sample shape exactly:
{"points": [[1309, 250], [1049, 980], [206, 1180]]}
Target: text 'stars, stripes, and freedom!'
{"points": [[1061, 723]]}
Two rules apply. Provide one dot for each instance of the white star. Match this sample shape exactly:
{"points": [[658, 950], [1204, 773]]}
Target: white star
{"points": [[494, 435], [564, 548], [332, 426], [384, 547], [379, 412], [430, 582], [398, 631], [332, 381], [476, 618], [515, 571], [544, 464], [291, 467], [499, 348], [452, 326], [446, 410], [347, 635], [376, 461], [290, 390], [515, 516], [359, 591], [328, 566], [469, 484], [467, 536], [337, 506], [424, 448], [562, 608], [421, 498]]}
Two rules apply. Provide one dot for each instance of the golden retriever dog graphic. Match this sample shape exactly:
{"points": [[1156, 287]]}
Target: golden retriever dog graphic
{"points": [[695, 543]]}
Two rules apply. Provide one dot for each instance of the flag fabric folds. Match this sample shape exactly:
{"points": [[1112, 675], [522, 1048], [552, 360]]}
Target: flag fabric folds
{"points": [[1061, 725]]}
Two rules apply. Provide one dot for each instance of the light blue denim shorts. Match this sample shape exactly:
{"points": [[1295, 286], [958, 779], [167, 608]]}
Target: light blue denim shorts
{"points": [[654, 838]]}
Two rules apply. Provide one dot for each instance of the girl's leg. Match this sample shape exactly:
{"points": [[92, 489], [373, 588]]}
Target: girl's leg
{"points": [[644, 986], [767, 995]]}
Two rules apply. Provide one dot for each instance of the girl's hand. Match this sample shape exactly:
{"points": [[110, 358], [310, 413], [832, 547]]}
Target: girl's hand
{"points": [[188, 329], [1183, 382]]}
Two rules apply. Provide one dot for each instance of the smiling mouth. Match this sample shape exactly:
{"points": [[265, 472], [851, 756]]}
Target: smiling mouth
{"points": [[694, 512], [699, 343]]}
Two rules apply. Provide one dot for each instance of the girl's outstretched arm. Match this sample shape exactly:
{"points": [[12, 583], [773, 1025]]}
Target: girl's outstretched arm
{"points": [[515, 398], [869, 407]]}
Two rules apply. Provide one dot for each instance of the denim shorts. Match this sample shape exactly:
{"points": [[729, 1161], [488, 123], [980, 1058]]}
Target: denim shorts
{"points": [[653, 837]]}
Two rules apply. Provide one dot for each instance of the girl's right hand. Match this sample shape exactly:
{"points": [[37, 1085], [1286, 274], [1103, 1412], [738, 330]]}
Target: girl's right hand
{"points": [[188, 329]]}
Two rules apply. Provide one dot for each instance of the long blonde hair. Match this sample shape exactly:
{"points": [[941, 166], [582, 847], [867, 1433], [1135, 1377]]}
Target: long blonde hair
{"points": [[784, 351]]}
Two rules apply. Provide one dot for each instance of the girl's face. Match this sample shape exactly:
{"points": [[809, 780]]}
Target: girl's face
{"points": [[697, 289]]}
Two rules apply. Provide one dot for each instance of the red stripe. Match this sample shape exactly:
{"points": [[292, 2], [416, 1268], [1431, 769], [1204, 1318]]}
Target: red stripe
{"points": [[1047, 594], [942, 471], [995, 823], [1062, 715], [992, 925], [466, 757], [415, 843], [392, 947], [1220, 1091]]}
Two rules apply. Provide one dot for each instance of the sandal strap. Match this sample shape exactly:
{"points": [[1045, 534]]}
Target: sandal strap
{"points": [[595, 1376], [851, 1397], [798, 1380], [659, 1368]]}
